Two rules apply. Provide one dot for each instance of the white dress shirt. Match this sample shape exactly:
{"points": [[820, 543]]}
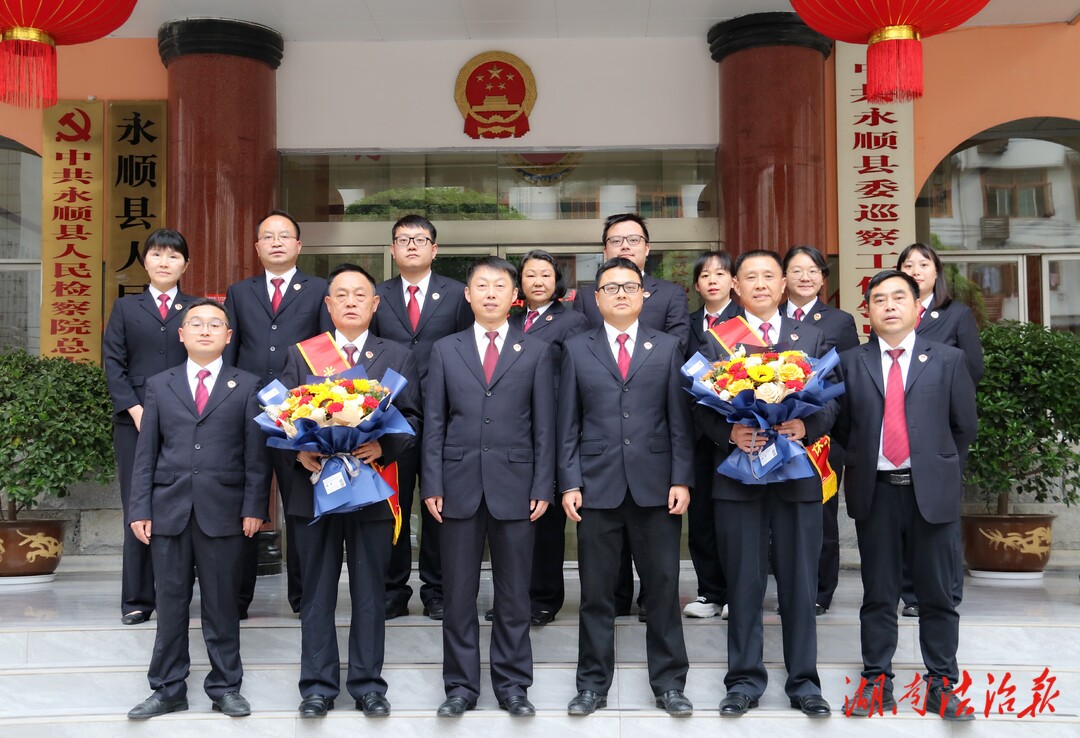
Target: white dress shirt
{"points": [[287, 276], [613, 343], [908, 344], [482, 340], [193, 369], [421, 294]]}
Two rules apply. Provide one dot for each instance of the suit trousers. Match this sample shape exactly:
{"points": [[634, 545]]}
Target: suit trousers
{"points": [[216, 560], [511, 544], [743, 531], [429, 561], [548, 590], [893, 533], [137, 577], [280, 461], [366, 544], [654, 541], [829, 561], [701, 528]]}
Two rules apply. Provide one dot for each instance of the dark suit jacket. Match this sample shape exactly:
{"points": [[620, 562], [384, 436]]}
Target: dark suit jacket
{"points": [[793, 335], [261, 336], [617, 435], [837, 325], [665, 309], [206, 465], [939, 402], [376, 355], [558, 323], [954, 325], [698, 336], [445, 312], [137, 345], [493, 442]]}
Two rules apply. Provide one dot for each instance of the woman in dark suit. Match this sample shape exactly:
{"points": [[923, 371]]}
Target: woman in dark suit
{"points": [[941, 318], [142, 339], [947, 321], [543, 287], [805, 269]]}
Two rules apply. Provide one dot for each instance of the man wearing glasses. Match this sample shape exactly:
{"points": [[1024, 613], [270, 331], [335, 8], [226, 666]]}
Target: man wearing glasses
{"points": [[196, 496], [418, 308], [268, 313], [624, 469]]}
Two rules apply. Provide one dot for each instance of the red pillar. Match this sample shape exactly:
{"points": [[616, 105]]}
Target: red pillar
{"points": [[771, 160], [223, 160]]}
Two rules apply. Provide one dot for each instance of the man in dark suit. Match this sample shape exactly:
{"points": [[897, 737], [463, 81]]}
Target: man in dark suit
{"points": [[665, 308], [196, 493], [906, 420], [749, 516], [625, 466], [418, 308], [488, 473], [268, 313], [366, 535], [141, 340]]}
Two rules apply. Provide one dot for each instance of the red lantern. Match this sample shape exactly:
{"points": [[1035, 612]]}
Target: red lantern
{"points": [[30, 30], [892, 30]]}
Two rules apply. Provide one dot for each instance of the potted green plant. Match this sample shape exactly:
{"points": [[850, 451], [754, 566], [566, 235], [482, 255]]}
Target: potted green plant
{"points": [[1026, 447], [55, 430]]}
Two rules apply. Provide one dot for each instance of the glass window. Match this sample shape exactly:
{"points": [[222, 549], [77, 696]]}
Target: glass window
{"points": [[20, 246]]}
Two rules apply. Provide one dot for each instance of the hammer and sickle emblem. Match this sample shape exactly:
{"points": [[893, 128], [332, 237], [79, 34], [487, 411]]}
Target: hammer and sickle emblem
{"points": [[80, 131]]}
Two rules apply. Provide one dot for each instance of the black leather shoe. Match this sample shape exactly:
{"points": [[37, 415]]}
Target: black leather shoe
{"points": [[820, 610], [675, 703], [434, 609], [453, 707], [153, 706], [396, 609], [911, 611], [489, 614], [243, 615], [373, 704], [518, 706], [315, 706], [135, 617], [232, 704], [542, 617], [586, 703], [946, 705], [873, 700], [812, 705], [736, 704]]}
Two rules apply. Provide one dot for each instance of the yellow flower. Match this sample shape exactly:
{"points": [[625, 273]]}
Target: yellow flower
{"points": [[302, 411], [789, 372], [761, 373], [739, 385]]}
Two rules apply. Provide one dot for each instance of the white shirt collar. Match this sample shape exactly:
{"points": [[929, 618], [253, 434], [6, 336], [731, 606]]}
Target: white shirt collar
{"points": [[423, 284], [540, 310], [193, 369], [928, 301], [792, 307], [287, 276], [481, 335], [341, 340], [908, 344], [156, 293], [774, 324], [613, 333]]}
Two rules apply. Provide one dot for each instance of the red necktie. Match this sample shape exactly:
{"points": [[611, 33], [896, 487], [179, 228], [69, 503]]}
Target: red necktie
{"points": [[799, 314], [491, 356], [624, 355], [713, 320], [533, 315], [765, 328], [351, 353], [164, 309], [201, 393], [922, 310], [894, 437], [413, 307], [275, 301]]}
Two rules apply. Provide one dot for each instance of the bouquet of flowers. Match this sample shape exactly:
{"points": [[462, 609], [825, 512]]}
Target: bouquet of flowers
{"points": [[333, 416], [761, 391]]}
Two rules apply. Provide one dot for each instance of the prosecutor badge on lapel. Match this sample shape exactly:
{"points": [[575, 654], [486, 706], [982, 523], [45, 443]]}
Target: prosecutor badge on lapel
{"points": [[177, 306], [435, 295], [369, 355], [296, 286], [517, 347], [934, 314], [648, 346], [817, 316], [794, 336], [231, 384], [922, 358]]}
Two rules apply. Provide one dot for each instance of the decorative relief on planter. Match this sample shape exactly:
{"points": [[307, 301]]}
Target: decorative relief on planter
{"points": [[1035, 542], [41, 546]]}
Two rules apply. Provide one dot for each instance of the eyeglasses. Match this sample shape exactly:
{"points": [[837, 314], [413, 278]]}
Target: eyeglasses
{"points": [[271, 237], [420, 241], [612, 288], [797, 272], [634, 240], [214, 326]]}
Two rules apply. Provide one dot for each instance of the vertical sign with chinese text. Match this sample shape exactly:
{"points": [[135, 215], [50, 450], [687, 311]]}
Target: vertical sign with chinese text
{"points": [[72, 168], [134, 192], [875, 181]]}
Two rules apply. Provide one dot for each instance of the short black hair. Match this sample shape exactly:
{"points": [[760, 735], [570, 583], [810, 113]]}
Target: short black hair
{"points": [[815, 256], [560, 281], [168, 239], [414, 221], [623, 218], [284, 215], [618, 262], [726, 262], [199, 302], [754, 253], [346, 267], [492, 262], [941, 286], [891, 274]]}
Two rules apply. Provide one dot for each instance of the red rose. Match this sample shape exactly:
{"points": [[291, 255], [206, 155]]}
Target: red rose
{"points": [[795, 384], [738, 372], [770, 356], [348, 385], [297, 392], [306, 399], [721, 383], [804, 366], [371, 403], [335, 407]]}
